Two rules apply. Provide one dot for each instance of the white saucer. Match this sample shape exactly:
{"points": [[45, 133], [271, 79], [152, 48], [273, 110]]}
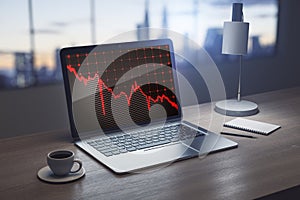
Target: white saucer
{"points": [[47, 175]]}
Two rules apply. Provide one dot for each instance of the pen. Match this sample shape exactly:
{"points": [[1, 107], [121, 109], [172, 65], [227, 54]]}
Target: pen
{"points": [[238, 135]]}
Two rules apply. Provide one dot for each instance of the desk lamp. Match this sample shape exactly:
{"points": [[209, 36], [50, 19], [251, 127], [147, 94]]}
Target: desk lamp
{"points": [[235, 42]]}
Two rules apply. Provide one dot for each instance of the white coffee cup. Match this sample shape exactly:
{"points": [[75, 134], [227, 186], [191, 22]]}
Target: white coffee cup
{"points": [[61, 162]]}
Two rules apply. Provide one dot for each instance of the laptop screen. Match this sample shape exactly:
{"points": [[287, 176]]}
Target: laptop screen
{"points": [[121, 85]]}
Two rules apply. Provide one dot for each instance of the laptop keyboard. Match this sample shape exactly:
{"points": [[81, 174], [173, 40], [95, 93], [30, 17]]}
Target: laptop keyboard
{"points": [[123, 143]]}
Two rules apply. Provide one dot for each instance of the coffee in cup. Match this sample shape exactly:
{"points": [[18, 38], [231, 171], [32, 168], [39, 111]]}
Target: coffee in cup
{"points": [[61, 162]]}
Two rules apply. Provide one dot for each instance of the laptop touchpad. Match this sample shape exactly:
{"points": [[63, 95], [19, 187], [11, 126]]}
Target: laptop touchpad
{"points": [[195, 143]]}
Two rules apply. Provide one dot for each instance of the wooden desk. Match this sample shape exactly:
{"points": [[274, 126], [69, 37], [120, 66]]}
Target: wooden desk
{"points": [[256, 168]]}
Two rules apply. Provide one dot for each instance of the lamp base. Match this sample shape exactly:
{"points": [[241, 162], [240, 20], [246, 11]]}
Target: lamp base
{"points": [[234, 107]]}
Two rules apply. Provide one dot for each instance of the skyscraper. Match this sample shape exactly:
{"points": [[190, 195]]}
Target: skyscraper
{"points": [[164, 23], [143, 31], [24, 70]]}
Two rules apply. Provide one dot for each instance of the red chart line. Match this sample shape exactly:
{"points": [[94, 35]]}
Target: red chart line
{"points": [[134, 88]]}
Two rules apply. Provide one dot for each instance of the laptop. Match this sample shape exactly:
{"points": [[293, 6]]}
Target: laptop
{"points": [[124, 109]]}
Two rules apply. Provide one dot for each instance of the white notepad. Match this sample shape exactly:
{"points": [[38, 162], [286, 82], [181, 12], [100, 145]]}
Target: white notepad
{"points": [[252, 126]]}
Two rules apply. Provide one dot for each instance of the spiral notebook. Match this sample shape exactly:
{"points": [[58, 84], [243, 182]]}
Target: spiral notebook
{"points": [[252, 126]]}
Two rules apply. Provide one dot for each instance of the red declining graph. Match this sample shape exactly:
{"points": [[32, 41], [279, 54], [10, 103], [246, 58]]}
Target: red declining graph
{"points": [[134, 88]]}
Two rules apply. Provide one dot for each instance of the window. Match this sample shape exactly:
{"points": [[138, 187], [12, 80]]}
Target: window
{"points": [[59, 23]]}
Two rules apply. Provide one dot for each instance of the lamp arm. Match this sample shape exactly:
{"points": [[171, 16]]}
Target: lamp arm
{"points": [[240, 74]]}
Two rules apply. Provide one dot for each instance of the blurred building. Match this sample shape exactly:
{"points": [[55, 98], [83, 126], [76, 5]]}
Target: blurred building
{"points": [[142, 28], [24, 70], [213, 42], [164, 23], [260, 50], [57, 72]]}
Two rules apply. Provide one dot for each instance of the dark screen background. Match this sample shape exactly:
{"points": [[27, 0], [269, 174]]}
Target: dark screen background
{"points": [[126, 79]]}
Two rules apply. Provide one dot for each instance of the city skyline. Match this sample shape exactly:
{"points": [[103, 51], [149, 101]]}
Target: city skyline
{"points": [[70, 23]]}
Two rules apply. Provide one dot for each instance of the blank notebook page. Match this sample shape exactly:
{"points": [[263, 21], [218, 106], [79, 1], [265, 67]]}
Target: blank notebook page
{"points": [[252, 126]]}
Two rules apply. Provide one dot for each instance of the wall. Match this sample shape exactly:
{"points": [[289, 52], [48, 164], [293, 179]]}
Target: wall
{"points": [[43, 108], [31, 110]]}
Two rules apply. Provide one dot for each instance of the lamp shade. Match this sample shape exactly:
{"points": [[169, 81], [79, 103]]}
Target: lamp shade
{"points": [[235, 38]]}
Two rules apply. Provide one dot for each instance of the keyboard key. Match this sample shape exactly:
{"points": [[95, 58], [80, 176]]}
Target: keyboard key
{"points": [[127, 143], [153, 144], [117, 152], [135, 144], [120, 137], [123, 150], [105, 150], [108, 154], [131, 149]]}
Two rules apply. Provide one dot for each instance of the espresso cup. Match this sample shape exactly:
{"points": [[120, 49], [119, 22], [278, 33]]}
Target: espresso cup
{"points": [[61, 162]]}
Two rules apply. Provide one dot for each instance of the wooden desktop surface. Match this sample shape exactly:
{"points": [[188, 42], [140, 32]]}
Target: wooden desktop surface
{"points": [[256, 168]]}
